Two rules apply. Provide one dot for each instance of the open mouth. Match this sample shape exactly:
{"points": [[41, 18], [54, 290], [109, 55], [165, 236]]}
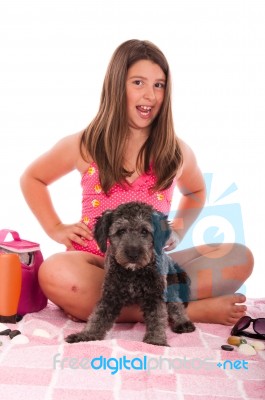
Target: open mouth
{"points": [[144, 111]]}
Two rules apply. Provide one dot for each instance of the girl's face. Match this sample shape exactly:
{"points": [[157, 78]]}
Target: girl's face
{"points": [[145, 90]]}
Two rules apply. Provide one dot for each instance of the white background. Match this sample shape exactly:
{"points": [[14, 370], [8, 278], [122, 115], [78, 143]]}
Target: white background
{"points": [[53, 57]]}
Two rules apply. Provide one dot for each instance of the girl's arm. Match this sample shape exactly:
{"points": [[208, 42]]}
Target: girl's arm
{"points": [[63, 158], [192, 187]]}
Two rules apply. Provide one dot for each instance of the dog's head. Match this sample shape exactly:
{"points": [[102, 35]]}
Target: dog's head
{"points": [[135, 232]]}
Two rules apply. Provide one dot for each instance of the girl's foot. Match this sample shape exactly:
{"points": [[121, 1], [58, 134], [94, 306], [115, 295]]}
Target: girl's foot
{"points": [[225, 310]]}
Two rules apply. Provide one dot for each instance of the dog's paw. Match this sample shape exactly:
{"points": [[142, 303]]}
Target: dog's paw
{"points": [[80, 337], [75, 338], [155, 341], [184, 327]]}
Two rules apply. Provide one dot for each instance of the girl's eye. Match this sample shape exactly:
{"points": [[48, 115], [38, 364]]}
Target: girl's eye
{"points": [[160, 85], [138, 82]]}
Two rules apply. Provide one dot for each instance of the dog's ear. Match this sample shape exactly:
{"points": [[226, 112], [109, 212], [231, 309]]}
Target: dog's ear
{"points": [[101, 229], [161, 231]]}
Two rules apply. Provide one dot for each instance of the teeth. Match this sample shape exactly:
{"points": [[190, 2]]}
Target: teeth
{"points": [[145, 108]]}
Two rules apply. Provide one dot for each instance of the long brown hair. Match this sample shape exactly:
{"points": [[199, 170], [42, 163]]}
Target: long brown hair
{"points": [[105, 138]]}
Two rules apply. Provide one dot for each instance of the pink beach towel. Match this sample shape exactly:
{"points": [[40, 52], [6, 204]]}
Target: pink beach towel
{"points": [[122, 367]]}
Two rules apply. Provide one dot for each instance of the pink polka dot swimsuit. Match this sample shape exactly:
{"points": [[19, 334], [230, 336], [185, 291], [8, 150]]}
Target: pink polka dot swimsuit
{"points": [[95, 201]]}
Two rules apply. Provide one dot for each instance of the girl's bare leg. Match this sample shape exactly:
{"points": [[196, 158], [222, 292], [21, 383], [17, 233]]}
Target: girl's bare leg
{"points": [[216, 273], [73, 281]]}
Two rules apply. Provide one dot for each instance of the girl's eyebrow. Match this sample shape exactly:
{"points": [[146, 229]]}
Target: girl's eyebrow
{"points": [[144, 78]]}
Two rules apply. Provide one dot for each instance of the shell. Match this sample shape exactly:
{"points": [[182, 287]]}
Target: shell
{"points": [[20, 339], [41, 333], [247, 350], [258, 345]]}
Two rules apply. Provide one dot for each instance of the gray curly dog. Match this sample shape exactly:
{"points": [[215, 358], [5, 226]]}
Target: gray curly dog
{"points": [[138, 272]]}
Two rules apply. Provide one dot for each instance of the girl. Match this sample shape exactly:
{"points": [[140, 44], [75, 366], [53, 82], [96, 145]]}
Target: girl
{"points": [[130, 152]]}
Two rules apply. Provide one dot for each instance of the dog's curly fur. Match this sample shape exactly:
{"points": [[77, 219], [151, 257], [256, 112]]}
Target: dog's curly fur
{"points": [[138, 272]]}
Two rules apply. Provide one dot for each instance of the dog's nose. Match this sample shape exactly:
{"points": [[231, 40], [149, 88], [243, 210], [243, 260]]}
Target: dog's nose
{"points": [[132, 253]]}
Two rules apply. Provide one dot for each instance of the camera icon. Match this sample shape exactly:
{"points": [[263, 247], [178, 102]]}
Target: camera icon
{"points": [[215, 225]]}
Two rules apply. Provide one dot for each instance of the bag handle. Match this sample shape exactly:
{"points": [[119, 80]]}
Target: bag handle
{"points": [[5, 232]]}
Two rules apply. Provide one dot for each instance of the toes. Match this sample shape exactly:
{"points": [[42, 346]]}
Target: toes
{"points": [[239, 298], [238, 309], [231, 321], [234, 317], [238, 316]]}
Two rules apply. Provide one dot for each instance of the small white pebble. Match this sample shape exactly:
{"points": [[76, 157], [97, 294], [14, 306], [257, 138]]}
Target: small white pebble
{"points": [[20, 339], [3, 327], [247, 350], [258, 345], [41, 332]]}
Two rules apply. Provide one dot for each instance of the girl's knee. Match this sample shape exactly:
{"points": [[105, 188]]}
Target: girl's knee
{"points": [[245, 259], [249, 262], [49, 273]]}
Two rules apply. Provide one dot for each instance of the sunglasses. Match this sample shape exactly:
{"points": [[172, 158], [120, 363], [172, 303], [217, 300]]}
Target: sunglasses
{"points": [[244, 323]]}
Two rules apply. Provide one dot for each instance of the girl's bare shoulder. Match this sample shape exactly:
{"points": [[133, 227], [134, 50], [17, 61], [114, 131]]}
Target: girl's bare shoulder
{"points": [[70, 148], [82, 161], [190, 175], [189, 157]]}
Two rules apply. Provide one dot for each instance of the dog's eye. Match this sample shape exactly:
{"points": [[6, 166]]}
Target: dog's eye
{"points": [[121, 232], [144, 232]]}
